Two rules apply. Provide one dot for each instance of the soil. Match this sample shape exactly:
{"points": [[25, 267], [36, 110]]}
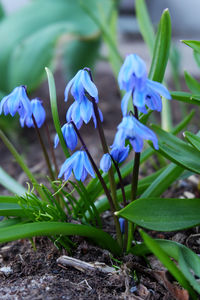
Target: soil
{"points": [[36, 275]]}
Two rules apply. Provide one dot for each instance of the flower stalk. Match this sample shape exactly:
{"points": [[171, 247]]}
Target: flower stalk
{"points": [[46, 156], [106, 190]]}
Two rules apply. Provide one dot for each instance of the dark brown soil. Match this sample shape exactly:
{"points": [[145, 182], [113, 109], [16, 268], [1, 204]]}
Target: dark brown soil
{"points": [[35, 274]]}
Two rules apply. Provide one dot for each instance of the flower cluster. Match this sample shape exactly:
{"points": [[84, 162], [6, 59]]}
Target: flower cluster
{"points": [[132, 78], [145, 92], [82, 88], [18, 102]]}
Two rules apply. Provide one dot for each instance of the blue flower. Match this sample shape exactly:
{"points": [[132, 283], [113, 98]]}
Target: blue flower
{"points": [[132, 74], [122, 225], [81, 84], [105, 162], [69, 135], [134, 131], [119, 154], [80, 112], [82, 109], [38, 113], [145, 92], [79, 164], [16, 101]]}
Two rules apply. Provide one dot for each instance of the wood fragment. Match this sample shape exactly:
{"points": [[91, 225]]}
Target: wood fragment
{"points": [[84, 266]]}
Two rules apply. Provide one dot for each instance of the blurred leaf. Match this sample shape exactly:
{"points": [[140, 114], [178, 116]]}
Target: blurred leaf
{"points": [[35, 28], [193, 139], [178, 151], [108, 31], [163, 214], [27, 66], [175, 59], [161, 48], [195, 45], [57, 228], [163, 256], [186, 97], [188, 260], [145, 24], [2, 12], [79, 54], [192, 84], [10, 183], [197, 57]]}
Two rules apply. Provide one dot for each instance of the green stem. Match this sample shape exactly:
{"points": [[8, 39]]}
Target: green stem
{"points": [[51, 149], [22, 164], [134, 186], [124, 202], [104, 147], [106, 190], [46, 156]]}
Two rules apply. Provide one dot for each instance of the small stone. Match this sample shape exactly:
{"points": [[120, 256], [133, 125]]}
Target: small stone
{"points": [[6, 270], [189, 195]]}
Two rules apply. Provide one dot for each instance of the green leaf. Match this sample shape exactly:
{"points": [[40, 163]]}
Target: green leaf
{"points": [[22, 164], [161, 48], [56, 228], [54, 110], [163, 256], [188, 261], [192, 84], [178, 151], [197, 57], [193, 139], [107, 27], [10, 183], [186, 97], [145, 24], [195, 45], [35, 28], [10, 222], [33, 73], [160, 214], [163, 181]]}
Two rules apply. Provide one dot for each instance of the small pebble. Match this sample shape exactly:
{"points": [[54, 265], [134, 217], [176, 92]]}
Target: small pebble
{"points": [[133, 289], [189, 195], [6, 270]]}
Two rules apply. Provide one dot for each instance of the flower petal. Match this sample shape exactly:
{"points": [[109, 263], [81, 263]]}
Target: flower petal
{"points": [[159, 88], [124, 103], [88, 85], [105, 162]]}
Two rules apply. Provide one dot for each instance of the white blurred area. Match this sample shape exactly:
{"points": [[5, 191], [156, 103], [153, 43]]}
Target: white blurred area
{"points": [[12, 5]]}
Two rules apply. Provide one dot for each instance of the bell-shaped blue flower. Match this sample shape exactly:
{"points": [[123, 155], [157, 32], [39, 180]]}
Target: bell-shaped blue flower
{"points": [[69, 135], [79, 164], [122, 225], [82, 112], [16, 101], [105, 162], [132, 74], [134, 131], [81, 85], [38, 113], [119, 154], [144, 92]]}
